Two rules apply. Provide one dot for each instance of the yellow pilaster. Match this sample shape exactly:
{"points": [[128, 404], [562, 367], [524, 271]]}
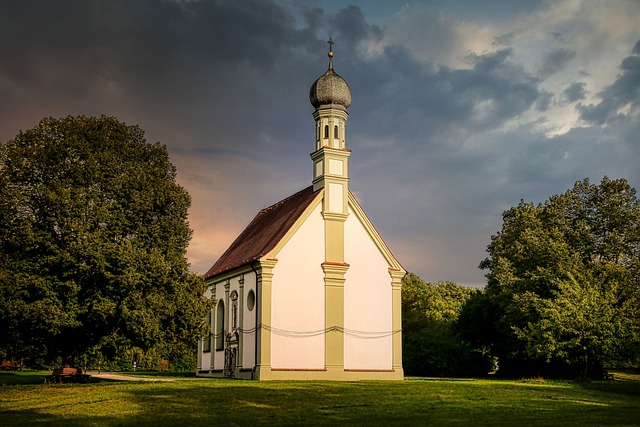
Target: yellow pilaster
{"points": [[334, 315], [265, 278], [396, 322]]}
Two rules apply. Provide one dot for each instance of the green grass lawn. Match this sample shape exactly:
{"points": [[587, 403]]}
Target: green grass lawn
{"points": [[190, 401]]}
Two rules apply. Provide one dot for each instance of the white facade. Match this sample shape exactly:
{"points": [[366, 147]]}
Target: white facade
{"points": [[367, 301], [297, 311], [297, 305]]}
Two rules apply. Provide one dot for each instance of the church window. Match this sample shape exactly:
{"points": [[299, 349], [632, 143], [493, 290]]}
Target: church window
{"points": [[335, 131], [206, 341], [220, 326], [234, 310], [251, 300], [326, 131]]}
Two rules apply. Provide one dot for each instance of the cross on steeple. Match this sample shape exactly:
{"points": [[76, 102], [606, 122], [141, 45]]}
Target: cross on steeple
{"points": [[330, 54]]}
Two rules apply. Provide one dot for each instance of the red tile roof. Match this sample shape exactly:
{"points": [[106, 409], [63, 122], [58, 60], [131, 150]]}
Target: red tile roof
{"points": [[263, 233]]}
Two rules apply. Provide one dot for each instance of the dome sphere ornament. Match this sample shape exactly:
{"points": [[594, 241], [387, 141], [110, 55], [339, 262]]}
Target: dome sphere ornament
{"points": [[330, 90]]}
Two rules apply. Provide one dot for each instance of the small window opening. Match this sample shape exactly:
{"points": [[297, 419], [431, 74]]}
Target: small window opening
{"points": [[220, 326]]}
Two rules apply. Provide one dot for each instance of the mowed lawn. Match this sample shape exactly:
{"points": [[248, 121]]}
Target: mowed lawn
{"points": [[190, 401]]}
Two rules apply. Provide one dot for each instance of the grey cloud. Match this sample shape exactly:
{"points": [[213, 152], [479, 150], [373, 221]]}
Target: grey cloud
{"points": [[576, 91], [624, 92], [441, 99], [555, 61], [350, 25], [226, 83], [544, 101], [504, 40]]}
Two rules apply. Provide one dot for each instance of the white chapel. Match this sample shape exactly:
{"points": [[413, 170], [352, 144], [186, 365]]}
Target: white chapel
{"points": [[309, 290]]}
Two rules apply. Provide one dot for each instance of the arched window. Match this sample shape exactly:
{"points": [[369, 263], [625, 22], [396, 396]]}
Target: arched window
{"points": [[326, 131], [206, 341], [234, 310], [335, 132], [220, 326]]}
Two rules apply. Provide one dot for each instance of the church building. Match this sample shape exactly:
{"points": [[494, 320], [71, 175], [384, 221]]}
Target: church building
{"points": [[309, 290]]}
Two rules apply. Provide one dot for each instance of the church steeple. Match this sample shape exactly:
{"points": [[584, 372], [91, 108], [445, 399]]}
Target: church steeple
{"points": [[331, 96]]}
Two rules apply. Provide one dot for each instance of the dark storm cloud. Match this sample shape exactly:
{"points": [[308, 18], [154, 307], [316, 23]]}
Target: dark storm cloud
{"points": [[504, 40], [576, 91], [168, 58], [544, 101], [439, 151], [439, 98], [555, 61], [623, 93], [351, 27], [208, 65]]}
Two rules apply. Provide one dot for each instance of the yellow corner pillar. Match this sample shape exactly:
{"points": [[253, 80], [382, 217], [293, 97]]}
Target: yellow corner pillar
{"points": [[263, 338], [396, 322]]}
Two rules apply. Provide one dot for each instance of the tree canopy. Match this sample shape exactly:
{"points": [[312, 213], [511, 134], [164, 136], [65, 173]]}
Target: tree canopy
{"points": [[93, 234], [431, 343], [563, 283]]}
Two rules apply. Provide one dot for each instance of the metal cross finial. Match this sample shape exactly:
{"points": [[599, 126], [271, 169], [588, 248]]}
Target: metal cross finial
{"points": [[330, 54]]}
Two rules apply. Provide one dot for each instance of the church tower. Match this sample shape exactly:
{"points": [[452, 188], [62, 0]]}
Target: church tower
{"points": [[309, 290], [331, 96]]}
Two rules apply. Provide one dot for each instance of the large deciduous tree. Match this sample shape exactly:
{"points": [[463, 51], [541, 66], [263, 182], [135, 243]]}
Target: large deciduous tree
{"points": [[564, 282], [93, 234]]}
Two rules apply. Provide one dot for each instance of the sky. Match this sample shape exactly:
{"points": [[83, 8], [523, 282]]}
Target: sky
{"points": [[461, 108]]}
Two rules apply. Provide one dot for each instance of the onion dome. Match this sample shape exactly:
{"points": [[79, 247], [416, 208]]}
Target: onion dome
{"points": [[330, 89]]}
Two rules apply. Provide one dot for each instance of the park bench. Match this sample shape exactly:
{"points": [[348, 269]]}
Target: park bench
{"points": [[607, 376], [9, 366], [67, 374]]}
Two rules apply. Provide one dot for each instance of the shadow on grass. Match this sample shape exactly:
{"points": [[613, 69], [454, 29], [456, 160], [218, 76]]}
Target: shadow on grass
{"points": [[159, 374], [229, 402], [22, 377], [39, 377]]}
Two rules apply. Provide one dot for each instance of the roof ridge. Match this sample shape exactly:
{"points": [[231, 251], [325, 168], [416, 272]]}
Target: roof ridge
{"points": [[276, 204], [264, 231]]}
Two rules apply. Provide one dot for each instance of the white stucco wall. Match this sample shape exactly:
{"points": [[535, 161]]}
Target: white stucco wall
{"points": [[367, 301], [298, 299]]}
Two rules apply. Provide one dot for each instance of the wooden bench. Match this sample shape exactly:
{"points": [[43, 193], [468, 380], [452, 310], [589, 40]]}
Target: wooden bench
{"points": [[9, 366], [67, 374], [607, 376]]}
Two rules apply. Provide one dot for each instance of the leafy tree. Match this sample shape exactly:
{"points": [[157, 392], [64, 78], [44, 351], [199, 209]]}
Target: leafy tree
{"points": [[93, 234], [564, 282], [431, 345]]}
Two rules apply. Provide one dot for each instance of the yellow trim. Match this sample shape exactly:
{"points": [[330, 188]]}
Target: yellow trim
{"points": [[222, 277], [330, 375], [263, 338], [396, 313], [334, 315], [334, 240], [325, 155]]}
